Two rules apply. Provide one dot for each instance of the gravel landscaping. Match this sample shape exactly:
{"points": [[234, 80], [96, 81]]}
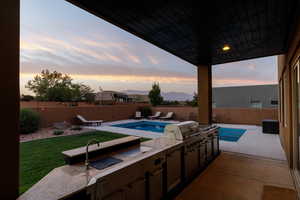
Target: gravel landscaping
{"points": [[48, 133]]}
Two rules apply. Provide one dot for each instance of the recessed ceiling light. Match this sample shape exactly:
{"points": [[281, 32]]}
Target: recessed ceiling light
{"points": [[226, 47]]}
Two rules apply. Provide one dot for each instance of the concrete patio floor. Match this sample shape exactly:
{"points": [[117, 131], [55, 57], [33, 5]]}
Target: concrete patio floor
{"points": [[235, 176]]}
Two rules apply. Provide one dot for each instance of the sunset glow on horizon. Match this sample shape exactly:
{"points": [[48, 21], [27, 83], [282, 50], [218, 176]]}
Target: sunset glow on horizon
{"points": [[57, 35]]}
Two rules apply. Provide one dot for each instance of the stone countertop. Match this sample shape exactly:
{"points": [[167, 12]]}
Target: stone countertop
{"points": [[63, 182], [104, 145]]}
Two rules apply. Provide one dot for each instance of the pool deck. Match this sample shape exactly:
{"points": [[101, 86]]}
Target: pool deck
{"points": [[252, 142]]}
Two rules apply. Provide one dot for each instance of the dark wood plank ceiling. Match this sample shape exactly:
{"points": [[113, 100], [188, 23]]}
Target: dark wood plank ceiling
{"points": [[197, 32]]}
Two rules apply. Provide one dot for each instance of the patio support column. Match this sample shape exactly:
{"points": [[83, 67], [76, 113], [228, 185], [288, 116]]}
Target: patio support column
{"points": [[9, 102], [204, 94]]}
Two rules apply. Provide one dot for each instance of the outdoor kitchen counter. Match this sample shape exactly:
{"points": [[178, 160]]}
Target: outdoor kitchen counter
{"points": [[65, 181]]}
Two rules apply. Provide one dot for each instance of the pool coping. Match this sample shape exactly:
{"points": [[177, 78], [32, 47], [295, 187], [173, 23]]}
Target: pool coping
{"points": [[106, 126]]}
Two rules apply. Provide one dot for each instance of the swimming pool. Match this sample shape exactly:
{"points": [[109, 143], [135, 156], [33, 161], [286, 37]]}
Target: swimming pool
{"points": [[225, 134], [144, 126], [231, 134]]}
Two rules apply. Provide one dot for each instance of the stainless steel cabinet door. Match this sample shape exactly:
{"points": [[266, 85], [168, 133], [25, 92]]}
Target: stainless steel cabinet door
{"points": [[202, 155], [216, 145], [192, 163], [209, 150]]}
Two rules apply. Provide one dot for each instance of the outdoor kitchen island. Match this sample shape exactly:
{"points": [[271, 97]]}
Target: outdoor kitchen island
{"points": [[149, 170]]}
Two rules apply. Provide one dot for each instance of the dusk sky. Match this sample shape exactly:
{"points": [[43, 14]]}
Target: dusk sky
{"points": [[57, 35]]}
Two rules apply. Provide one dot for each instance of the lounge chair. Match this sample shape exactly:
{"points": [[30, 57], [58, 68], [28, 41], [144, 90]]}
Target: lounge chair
{"points": [[169, 115], [138, 115], [89, 122], [157, 115]]}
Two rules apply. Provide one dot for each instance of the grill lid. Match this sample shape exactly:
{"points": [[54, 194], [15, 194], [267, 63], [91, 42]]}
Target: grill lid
{"points": [[181, 131]]}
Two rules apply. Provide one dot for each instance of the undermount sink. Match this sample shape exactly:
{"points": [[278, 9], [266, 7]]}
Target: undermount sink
{"points": [[117, 158], [104, 162]]}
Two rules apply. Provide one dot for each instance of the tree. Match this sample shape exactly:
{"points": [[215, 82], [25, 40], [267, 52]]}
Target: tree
{"points": [[193, 102], [154, 95], [55, 86], [83, 92]]}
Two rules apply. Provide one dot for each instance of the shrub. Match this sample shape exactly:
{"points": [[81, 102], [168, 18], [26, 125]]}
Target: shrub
{"points": [[29, 121], [170, 103], [145, 110], [27, 97], [58, 132], [76, 128]]}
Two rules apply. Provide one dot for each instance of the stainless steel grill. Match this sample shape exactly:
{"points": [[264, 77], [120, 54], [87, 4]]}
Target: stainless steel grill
{"points": [[201, 144]]}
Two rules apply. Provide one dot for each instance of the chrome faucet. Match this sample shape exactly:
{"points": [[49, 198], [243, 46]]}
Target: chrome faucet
{"points": [[92, 141]]}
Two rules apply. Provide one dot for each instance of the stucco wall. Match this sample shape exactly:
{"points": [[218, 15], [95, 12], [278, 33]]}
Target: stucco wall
{"points": [[285, 64], [250, 116], [50, 115]]}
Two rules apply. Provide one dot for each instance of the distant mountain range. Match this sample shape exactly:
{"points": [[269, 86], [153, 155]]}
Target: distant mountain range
{"points": [[169, 96]]}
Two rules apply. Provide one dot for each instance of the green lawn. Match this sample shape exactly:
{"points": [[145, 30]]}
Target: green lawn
{"points": [[39, 157]]}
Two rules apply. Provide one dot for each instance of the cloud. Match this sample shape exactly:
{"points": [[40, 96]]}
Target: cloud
{"points": [[99, 51], [100, 43], [238, 82], [249, 72], [33, 47], [123, 78], [153, 60], [252, 66], [109, 70]]}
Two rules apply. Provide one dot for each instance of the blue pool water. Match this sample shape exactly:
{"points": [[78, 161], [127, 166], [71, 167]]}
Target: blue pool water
{"points": [[231, 134], [145, 126]]}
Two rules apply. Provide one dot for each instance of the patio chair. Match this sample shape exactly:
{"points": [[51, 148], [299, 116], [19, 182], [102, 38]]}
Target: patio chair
{"points": [[89, 122], [138, 115], [157, 115], [169, 115]]}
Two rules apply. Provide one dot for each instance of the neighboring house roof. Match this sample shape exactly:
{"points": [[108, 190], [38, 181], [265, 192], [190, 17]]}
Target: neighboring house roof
{"points": [[110, 95], [139, 97]]}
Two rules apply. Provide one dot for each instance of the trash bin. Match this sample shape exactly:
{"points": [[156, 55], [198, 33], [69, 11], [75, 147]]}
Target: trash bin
{"points": [[270, 126]]}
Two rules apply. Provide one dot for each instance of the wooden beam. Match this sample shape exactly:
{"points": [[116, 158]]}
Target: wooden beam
{"points": [[204, 94], [9, 103]]}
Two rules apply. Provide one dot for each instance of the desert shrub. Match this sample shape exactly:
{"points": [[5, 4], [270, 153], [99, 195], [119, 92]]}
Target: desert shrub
{"points": [[58, 132], [145, 110], [29, 121]]}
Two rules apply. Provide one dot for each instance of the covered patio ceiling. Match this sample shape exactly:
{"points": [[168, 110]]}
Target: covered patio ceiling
{"points": [[198, 32]]}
